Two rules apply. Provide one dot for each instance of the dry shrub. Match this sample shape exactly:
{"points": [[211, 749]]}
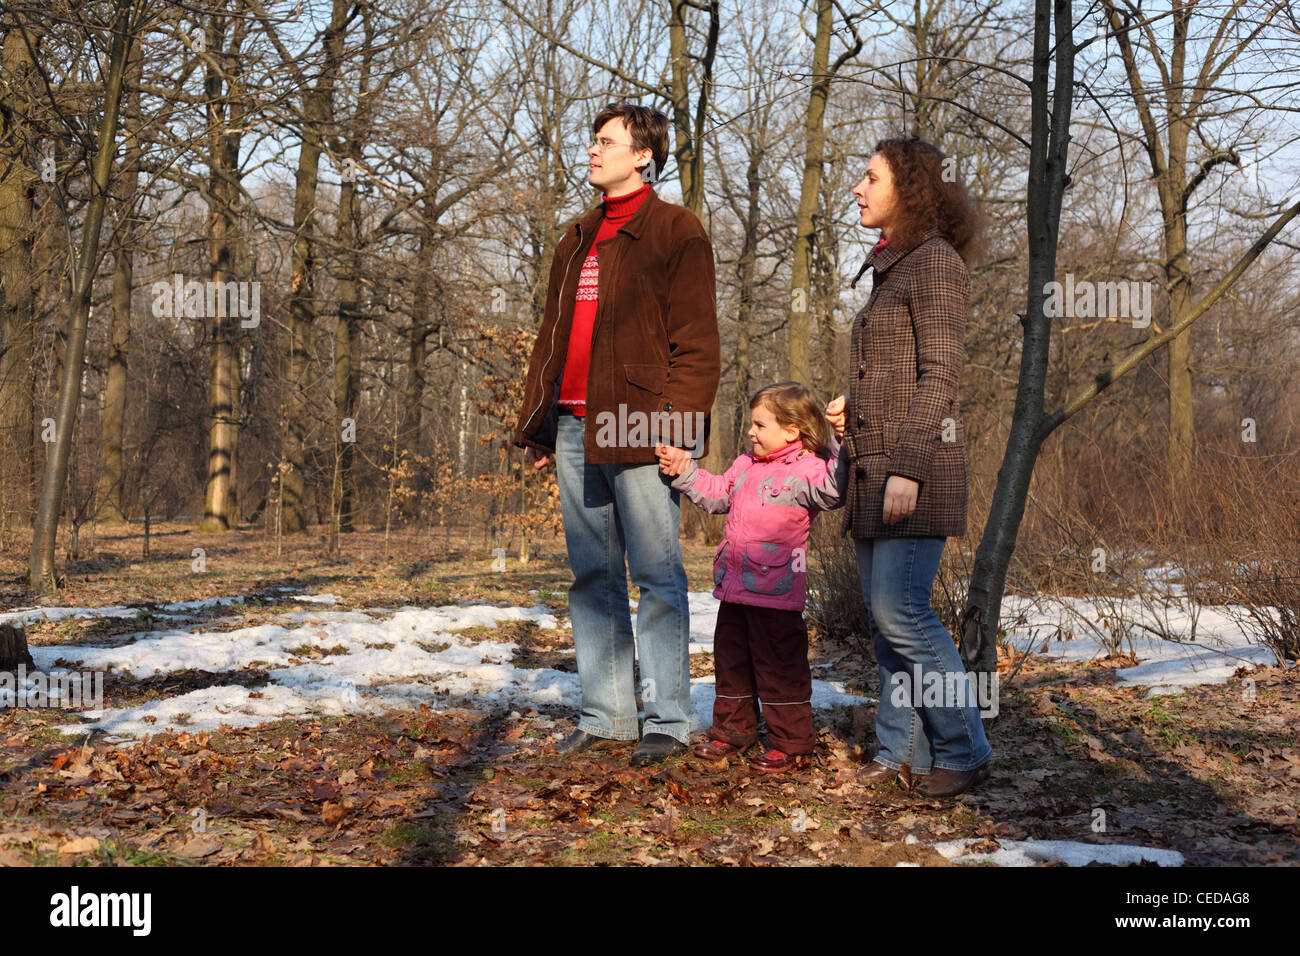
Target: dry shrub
{"points": [[1243, 544]]}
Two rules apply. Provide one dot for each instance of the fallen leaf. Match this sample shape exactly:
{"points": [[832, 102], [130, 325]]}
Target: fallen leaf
{"points": [[199, 847], [84, 845]]}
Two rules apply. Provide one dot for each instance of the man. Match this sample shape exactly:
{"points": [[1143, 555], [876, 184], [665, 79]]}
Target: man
{"points": [[627, 349]]}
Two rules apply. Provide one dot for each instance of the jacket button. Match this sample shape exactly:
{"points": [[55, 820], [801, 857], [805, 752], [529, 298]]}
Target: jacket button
{"points": [[862, 472], [859, 421], [668, 406]]}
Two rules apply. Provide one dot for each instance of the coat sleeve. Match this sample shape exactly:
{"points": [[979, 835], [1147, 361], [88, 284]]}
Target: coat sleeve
{"points": [[533, 392], [710, 492], [939, 300], [694, 353], [826, 490]]}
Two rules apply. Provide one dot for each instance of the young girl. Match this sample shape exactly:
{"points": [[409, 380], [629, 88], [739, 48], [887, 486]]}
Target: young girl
{"points": [[760, 645]]}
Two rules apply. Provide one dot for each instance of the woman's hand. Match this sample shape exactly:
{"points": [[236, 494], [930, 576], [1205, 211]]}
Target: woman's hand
{"points": [[536, 458], [672, 461], [835, 415], [900, 499]]}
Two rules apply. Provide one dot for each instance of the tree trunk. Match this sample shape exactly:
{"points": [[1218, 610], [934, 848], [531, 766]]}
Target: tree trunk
{"points": [[225, 120], [689, 133], [317, 106], [41, 567], [13, 649], [799, 328], [688, 128], [17, 340], [108, 494], [417, 350], [346, 336], [746, 268], [1047, 178]]}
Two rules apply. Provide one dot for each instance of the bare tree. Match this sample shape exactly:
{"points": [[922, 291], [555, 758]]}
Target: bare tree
{"points": [[18, 176], [128, 17], [822, 73], [1171, 115]]}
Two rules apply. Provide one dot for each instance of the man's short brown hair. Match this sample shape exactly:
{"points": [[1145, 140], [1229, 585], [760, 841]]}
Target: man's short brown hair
{"points": [[648, 128]]}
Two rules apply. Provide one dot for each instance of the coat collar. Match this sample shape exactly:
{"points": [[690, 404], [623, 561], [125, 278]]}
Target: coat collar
{"points": [[784, 455], [590, 222], [879, 261]]}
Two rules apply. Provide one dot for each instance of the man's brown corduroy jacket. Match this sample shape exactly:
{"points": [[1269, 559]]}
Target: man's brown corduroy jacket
{"points": [[902, 418], [654, 346]]}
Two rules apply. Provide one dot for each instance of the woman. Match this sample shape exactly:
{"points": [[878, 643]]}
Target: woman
{"points": [[908, 484]]}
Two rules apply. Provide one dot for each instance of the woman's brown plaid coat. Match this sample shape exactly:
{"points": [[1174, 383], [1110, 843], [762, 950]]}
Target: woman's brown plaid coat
{"points": [[901, 415]]}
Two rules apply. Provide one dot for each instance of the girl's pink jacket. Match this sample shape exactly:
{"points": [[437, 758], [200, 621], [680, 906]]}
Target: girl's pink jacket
{"points": [[770, 503]]}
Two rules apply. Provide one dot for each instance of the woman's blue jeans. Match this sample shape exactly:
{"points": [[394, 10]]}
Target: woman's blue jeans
{"points": [[611, 510], [915, 651]]}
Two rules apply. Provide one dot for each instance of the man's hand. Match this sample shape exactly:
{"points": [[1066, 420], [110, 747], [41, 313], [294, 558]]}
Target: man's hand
{"points": [[835, 415], [672, 461], [900, 499], [536, 458]]}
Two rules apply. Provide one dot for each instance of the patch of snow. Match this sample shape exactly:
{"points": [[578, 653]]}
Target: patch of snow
{"points": [[1068, 852], [178, 609], [363, 677], [1165, 666], [368, 662], [23, 615]]}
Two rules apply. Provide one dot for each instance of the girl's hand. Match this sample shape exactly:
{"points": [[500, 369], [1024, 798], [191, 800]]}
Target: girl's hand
{"points": [[835, 415], [900, 499], [672, 461]]}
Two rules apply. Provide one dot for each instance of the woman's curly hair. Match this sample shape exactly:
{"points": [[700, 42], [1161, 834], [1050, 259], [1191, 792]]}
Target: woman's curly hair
{"points": [[928, 199]]}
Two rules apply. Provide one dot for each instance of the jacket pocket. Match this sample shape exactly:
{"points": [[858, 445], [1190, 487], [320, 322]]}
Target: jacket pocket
{"points": [[765, 568], [720, 565], [874, 438], [649, 377]]}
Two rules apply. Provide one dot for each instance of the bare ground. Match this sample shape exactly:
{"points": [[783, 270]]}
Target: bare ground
{"points": [[1210, 772]]}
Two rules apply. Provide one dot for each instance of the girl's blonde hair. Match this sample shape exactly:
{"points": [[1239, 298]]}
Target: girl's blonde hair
{"points": [[793, 406]]}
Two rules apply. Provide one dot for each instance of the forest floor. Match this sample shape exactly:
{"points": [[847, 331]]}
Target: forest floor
{"points": [[1212, 773]]}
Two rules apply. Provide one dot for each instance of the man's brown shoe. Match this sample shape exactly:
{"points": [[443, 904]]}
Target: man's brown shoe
{"points": [[778, 761], [948, 783], [719, 750], [580, 740], [877, 775]]}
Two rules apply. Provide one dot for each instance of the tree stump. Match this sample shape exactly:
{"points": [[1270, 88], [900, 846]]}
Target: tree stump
{"points": [[13, 649]]}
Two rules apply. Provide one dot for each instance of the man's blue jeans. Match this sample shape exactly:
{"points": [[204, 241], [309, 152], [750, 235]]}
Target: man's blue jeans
{"points": [[910, 643], [610, 510]]}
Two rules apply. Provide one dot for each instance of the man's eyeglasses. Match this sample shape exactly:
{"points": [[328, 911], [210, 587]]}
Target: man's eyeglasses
{"points": [[603, 144]]}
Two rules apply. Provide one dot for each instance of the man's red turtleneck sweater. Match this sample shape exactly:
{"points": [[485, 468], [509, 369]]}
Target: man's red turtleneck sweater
{"points": [[573, 389]]}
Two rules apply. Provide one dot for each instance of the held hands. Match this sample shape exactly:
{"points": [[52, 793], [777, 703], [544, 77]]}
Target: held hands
{"points": [[835, 415], [537, 459], [672, 461]]}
